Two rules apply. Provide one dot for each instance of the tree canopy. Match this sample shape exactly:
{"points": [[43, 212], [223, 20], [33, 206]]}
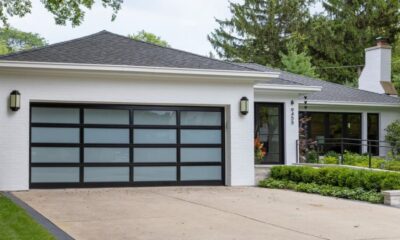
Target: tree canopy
{"points": [[13, 40], [297, 62], [150, 38], [72, 11], [335, 38]]}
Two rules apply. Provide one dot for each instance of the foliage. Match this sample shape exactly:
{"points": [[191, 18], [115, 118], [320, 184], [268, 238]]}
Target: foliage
{"points": [[259, 30], [393, 136], [325, 190], [354, 159], [312, 156], [329, 160], [305, 144], [64, 11], [259, 150], [295, 62], [368, 180], [150, 38], [16, 224], [13, 40], [335, 37]]}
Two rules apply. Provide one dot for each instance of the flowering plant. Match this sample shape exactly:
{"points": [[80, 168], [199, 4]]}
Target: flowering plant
{"points": [[259, 150]]}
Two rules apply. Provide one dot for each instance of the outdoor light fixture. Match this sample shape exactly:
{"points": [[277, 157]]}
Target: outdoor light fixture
{"points": [[15, 100], [244, 105], [292, 102]]}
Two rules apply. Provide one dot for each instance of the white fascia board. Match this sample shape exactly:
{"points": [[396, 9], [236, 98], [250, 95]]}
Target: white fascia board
{"points": [[362, 104], [286, 88], [247, 76]]}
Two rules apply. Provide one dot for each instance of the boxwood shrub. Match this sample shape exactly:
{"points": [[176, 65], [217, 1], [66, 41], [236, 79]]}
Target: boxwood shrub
{"points": [[367, 180]]}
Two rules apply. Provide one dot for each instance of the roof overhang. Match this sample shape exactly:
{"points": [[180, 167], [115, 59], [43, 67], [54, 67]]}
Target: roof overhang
{"points": [[244, 76], [298, 89], [355, 104]]}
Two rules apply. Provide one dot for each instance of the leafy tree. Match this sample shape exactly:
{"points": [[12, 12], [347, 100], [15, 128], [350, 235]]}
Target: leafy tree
{"points": [[64, 11], [393, 137], [296, 62], [150, 38], [259, 29], [12, 40]]}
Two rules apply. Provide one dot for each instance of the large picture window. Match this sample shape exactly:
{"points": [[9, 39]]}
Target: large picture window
{"points": [[269, 132], [330, 129]]}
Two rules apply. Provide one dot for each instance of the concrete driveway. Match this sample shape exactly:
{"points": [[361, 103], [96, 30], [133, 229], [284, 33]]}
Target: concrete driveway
{"points": [[209, 213]]}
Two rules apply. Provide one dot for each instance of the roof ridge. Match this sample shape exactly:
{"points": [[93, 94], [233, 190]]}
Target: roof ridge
{"points": [[51, 45], [179, 50], [328, 82]]}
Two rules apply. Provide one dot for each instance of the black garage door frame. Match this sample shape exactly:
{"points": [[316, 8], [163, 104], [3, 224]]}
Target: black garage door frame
{"points": [[81, 145]]}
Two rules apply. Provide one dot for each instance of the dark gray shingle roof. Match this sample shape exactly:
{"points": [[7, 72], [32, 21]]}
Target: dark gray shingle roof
{"points": [[109, 48], [330, 91]]}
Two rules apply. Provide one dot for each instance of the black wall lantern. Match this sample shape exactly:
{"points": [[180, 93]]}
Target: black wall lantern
{"points": [[15, 100], [244, 105]]}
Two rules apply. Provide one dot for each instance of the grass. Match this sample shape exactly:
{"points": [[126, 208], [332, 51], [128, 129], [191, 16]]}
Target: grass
{"points": [[15, 223]]}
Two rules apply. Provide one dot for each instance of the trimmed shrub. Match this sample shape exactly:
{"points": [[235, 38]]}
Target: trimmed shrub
{"points": [[338, 176], [325, 190]]}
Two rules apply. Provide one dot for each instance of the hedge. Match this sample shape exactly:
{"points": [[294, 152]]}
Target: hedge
{"points": [[367, 180], [325, 190]]}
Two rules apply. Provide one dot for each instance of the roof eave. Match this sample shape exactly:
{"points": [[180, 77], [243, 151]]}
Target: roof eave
{"points": [[248, 76], [363, 104], [300, 89]]}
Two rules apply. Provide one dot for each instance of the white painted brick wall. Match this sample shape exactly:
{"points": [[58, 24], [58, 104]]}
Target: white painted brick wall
{"points": [[56, 87]]}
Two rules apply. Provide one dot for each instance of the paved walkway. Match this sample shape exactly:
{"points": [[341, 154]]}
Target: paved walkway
{"points": [[211, 213]]}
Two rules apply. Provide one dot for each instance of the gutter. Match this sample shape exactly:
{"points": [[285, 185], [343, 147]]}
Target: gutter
{"points": [[362, 104], [247, 76], [286, 88]]}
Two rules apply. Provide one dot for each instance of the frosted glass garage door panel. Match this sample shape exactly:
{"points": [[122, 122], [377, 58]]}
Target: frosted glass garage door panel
{"points": [[106, 135], [54, 155], [104, 155], [55, 135], [201, 136], [55, 115], [150, 174], [106, 174], [54, 174], [200, 154], [154, 136], [154, 155], [148, 117], [106, 116], [196, 118], [194, 173]]}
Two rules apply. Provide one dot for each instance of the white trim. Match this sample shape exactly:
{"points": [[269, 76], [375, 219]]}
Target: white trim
{"points": [[287, 88], [364, 104], [144, 70]]}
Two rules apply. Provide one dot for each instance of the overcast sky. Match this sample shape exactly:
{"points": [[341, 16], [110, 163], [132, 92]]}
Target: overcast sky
{"points": [[183, 23]]}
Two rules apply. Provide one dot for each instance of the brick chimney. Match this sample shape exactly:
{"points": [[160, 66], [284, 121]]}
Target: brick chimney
{"points": [[376, 75]]}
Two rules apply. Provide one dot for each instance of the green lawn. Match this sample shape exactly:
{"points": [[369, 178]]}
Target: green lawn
{"points": [[15, 223]]}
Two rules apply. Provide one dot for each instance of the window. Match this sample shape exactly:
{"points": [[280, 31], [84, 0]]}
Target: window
{"points": [[328, 130], [373, 132]]}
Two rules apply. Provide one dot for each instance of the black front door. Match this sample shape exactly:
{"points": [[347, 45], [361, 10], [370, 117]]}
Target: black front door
{"points": [[269, 133]]}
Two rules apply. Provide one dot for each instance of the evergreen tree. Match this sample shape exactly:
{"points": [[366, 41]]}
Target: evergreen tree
{"points": [[296, 62], [259, 30], [339, 36]]}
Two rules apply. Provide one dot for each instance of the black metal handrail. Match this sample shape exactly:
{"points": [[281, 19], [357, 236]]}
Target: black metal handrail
{"points": [[343, 142]]}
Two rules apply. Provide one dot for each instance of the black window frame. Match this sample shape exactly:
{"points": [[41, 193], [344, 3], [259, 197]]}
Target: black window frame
{"points": [[330, 144], [131, 145], [375, 150], [281, 107]]}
